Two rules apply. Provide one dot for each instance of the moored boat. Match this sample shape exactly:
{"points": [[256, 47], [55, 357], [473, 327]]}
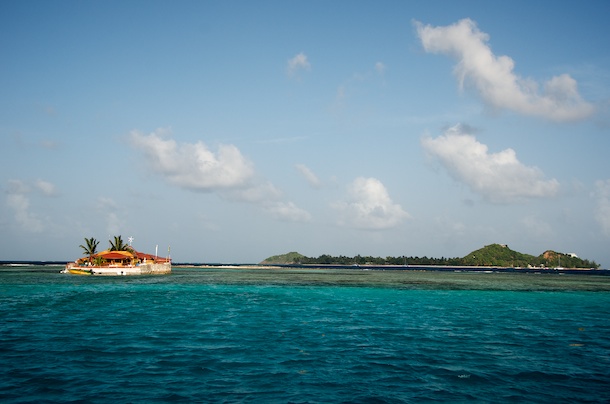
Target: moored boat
{"points": [[79, 271]]}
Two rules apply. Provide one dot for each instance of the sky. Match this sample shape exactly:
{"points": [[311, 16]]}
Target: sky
{"points": [[236, 130]]}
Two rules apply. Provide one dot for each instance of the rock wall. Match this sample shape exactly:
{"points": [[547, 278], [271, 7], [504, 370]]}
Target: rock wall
{"points": [[155, 269]]}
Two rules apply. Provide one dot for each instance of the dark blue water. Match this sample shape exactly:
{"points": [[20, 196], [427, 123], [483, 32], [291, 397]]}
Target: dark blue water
{"points": [[248, 336]]}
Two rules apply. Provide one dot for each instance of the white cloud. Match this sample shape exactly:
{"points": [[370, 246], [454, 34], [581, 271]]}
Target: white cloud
{"points": [[287, 211], [106, 203], [602, 210], [498, 177], [257, 193], [298, 63], [380, 68], [194, 166], [47, 188], [269, 198], [369, 206], [309, 176], [493, 77], [227, 173], [18, 201]]}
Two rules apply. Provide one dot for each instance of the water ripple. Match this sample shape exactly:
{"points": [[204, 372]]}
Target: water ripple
{"points": [[203, 337]]}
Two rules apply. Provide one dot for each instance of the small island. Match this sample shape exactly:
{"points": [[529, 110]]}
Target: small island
{"points": [[493, 255], [118, 259]]}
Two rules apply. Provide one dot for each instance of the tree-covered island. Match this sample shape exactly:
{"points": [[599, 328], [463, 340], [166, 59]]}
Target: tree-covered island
{"points": [[493, 255]]}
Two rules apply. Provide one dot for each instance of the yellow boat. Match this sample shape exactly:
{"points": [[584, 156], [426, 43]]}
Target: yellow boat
{"points": [[80, 271]]}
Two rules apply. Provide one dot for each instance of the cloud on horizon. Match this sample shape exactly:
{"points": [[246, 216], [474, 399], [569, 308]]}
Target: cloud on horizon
{"points": [[493, 76], [497, 177], [18, 201], [369, 206]]}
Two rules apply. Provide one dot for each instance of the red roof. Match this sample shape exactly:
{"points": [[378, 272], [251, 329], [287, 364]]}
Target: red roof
{"points": [[127, 255], [114, 256]]}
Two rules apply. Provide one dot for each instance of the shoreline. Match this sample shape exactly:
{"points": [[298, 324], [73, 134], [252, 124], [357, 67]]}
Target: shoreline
{"points": [[440, 268], [270, 267]]}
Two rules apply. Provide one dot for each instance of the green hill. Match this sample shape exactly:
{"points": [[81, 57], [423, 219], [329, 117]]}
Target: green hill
{"points": [[499, 255], [502, 256], [289, 258]]}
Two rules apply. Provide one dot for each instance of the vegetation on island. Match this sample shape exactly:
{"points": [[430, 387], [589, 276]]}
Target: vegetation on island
{"points": [[493, 255], [90, 249], [288, 258], [119, 245]]}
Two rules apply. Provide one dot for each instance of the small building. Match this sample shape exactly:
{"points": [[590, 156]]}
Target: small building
{"points": [[124, 262]]}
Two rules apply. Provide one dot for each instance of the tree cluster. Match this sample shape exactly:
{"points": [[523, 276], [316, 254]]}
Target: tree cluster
{"points": [[90, 247], [498, 255], [369, 260]]}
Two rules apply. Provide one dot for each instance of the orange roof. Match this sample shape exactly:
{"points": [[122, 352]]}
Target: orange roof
{"points": [[114, 255], [120, 255]]}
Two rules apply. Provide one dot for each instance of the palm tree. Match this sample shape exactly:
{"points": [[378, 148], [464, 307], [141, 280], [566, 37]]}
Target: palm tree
{"points": [[91, 247], [119, 245]]}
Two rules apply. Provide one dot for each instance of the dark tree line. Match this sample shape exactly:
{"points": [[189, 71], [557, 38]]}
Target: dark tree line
{"points": [[483, 259], [491, 255], [369, 260]]}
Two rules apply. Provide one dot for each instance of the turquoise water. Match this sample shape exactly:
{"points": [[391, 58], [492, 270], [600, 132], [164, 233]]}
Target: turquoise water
{"points": [[209, 335]]}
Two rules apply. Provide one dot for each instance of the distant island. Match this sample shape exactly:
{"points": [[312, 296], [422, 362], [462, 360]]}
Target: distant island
{"points": [[493, 255]]}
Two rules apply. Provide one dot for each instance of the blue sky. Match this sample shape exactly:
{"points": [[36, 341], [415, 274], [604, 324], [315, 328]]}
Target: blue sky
{"points": [[233, 131]]}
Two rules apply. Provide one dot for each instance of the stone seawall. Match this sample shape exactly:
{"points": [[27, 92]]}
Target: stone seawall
{"points": [[155, 269]]}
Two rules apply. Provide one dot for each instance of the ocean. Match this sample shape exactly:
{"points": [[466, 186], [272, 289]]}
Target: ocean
{"points": [[214, 335]]}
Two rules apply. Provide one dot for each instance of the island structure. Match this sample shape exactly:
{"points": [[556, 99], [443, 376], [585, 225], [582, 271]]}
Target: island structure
{"points": [[119, 259]]}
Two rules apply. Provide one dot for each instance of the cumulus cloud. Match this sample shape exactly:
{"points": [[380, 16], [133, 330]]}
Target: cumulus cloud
{"points": [[309, 176], [256, 192], [194, 166], [287, 211], [602, 210], [18, 201], [498, 177], [47, 188], [369, 206], [493, 76], [297, 63], [269, 198]]}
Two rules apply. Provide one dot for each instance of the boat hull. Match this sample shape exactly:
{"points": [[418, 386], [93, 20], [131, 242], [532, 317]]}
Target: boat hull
{"points": [[79, 271]]}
